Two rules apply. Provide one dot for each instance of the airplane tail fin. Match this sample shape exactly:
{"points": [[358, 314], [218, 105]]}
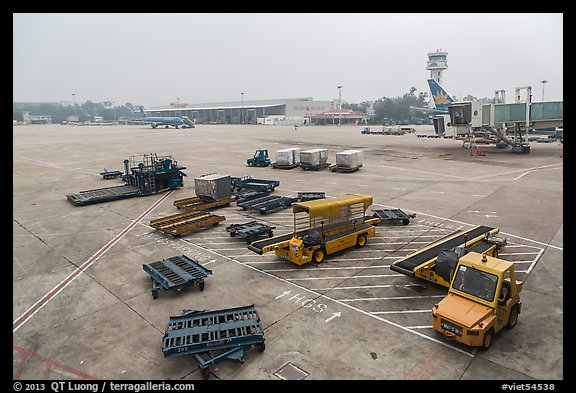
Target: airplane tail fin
{"points": [[441, 98]]}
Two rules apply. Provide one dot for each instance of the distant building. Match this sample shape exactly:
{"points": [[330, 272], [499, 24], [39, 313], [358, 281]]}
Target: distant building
{"points": [[338, 116], [36, 119], [283, 111]]}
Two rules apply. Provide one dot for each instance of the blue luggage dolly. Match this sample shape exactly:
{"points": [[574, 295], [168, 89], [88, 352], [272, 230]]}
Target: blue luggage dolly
{"points": [[176, 273], [211, 336]]}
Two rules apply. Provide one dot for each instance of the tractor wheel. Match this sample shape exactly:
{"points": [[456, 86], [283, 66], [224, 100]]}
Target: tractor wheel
{"points": [[488, 338], [205, 372], [361, 240], [319, 255], [513, 318]]}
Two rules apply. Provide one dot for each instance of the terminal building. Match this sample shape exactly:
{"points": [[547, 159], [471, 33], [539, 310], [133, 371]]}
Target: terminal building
{"points": [[290, 111]]}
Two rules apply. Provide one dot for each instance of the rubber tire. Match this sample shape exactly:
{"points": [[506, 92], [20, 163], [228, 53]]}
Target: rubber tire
{"points": [[319, 252], [405, 221], [205, 372], [512, 318], [487, 340], [361, 240]]}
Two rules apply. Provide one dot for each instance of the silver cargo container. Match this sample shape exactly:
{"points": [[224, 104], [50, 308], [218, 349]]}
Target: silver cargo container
{"points": [[214, 186], [288, 156], [314, 156], [349, 159]]}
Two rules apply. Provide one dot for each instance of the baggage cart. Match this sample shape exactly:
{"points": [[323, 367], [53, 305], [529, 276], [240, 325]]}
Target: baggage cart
{"points": [[175, 274], [394, 215], [214, 335], [250, 231]]}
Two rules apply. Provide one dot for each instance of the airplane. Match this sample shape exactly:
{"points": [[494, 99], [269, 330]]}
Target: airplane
{"points": [[441, 99], [156, 121]]}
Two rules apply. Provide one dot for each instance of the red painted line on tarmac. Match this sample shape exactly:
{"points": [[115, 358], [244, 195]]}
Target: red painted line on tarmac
{"points": [[432, 369], [421, 365], [26, 354], [46, 298]]}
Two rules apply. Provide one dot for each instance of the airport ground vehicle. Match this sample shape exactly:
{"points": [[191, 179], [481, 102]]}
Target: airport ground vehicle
{"points": [[214, 335], [143, 175], [321, 228], [366, 130], [260, 158], [248, 183], [437, 261], [200, 203], [484, 298], [394, 215], [250, 231], [175, 274], [106, 174]]}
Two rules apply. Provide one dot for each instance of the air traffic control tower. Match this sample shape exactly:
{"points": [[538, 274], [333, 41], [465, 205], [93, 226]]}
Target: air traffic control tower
{"points": [[436, 65]]}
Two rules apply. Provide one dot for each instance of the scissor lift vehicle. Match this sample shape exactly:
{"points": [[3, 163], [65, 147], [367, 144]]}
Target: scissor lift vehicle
{"points": [[143, 175], [211, 336], [323, 227], [176, 273]]}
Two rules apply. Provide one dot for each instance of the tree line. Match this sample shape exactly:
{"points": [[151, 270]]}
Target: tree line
{"points": [[85, 111]]}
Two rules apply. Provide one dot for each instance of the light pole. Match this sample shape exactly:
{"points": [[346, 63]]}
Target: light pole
{"points": [[543, 84], [114, 110], [242, 114], [339, 104], [74, 100]]}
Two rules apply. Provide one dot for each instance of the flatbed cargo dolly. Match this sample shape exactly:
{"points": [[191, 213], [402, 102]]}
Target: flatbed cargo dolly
{"points": [[244, 195], [106, 174], [394, 215], [214, 335], [344, 169], [314, 167], [176, 273], [248, 183], [99, 195], [267, 203], [422, 263], [189, 221], [250, 231], [310, 196], [198, 203], [275, 165]]}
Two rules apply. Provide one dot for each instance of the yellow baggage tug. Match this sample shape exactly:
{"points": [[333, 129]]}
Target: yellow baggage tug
{"points": [[323, 227]]}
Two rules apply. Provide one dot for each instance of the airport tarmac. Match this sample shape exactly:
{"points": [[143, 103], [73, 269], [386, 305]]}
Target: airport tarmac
{"points": [[82, 304]]}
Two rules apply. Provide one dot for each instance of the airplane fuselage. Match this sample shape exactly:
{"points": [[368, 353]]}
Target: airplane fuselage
{"points": [[175, 122]]}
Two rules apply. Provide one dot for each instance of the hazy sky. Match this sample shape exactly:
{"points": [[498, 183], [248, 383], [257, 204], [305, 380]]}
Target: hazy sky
{"points": [[154, 59]]}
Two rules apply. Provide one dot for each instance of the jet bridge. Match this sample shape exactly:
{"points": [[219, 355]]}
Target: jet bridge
{"points": [[508, 123]]}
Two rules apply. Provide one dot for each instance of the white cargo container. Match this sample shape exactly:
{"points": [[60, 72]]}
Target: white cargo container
{"points": [[349, 159], [314, 156], [288, 156]]}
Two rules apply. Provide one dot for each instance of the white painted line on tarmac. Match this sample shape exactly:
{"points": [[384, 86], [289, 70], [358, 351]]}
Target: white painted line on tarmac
{"points": [[344, 277], [400, 312], [327, 268], [389, 298]]}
